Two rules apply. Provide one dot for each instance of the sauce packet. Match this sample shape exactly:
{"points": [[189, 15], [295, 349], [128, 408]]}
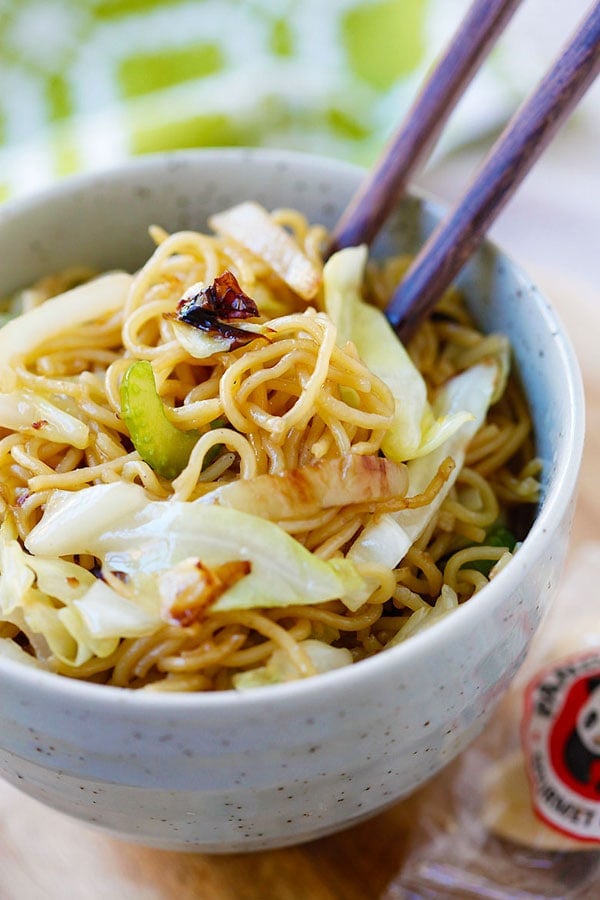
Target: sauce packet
{"points": [[518, 814]]}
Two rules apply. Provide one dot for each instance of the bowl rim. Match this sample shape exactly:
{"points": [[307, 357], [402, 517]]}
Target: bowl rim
{"points": [[556, 501]]}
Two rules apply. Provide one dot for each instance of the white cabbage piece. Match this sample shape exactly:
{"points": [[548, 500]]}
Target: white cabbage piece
{"points": [[307, 490], [250, 225], [83, 517], [416, 431], [63, 608], [9, 649], [387, 539], [141, 538], [280, 667], [16, 578], [44, 619], [24, 601], [59, 578], [102, 613], [26, 411], [35, 594], [21, 336], [426, 616]]}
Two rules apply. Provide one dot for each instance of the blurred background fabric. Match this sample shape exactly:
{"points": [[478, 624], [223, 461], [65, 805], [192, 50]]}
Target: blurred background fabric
{"points": [[87, 83]]}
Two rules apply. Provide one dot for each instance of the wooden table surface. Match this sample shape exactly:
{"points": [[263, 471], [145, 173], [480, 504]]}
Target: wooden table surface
{"points": [[45, 856]]}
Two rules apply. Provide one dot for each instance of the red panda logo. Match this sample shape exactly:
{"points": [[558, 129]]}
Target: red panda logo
{"points": [[578, 728], [561, 740]]}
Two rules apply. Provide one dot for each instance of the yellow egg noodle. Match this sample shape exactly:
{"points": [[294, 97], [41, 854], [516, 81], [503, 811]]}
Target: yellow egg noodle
{"points": [[261, 431]]}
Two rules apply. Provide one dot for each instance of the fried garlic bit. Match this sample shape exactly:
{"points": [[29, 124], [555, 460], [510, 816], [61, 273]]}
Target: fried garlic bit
{"points": [[214, 308], [190, 588]]}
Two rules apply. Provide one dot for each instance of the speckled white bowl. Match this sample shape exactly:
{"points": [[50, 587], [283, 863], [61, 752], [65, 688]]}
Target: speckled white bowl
{"points": [[283, 764]]}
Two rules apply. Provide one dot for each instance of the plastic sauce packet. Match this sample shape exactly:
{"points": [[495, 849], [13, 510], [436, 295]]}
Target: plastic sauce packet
{"points": [[561, 743], [518, 814]]}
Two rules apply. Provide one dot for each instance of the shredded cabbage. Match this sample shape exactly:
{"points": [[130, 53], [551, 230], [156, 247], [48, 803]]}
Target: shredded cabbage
{"points": [[251, 226], [9, 649], [387, 539], [416, 431], [22, 335], [38, 594], [24, 410], [423, 618], [141, 538], [280, 667], [104, 613], [307, 490]]}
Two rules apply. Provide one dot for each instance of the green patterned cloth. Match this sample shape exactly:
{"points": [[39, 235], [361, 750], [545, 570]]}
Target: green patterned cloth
{"points": [[87, 83]]}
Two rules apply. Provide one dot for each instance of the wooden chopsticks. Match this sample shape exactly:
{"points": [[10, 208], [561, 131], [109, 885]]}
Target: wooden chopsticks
{"points": [[371, 205], [513, 155]]}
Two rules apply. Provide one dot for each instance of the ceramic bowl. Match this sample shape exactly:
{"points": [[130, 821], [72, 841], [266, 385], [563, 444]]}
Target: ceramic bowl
{"points": [[288, 763]]}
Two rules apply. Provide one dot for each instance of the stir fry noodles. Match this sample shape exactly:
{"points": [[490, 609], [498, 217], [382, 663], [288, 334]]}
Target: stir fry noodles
{"points": [[225, 470]]}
